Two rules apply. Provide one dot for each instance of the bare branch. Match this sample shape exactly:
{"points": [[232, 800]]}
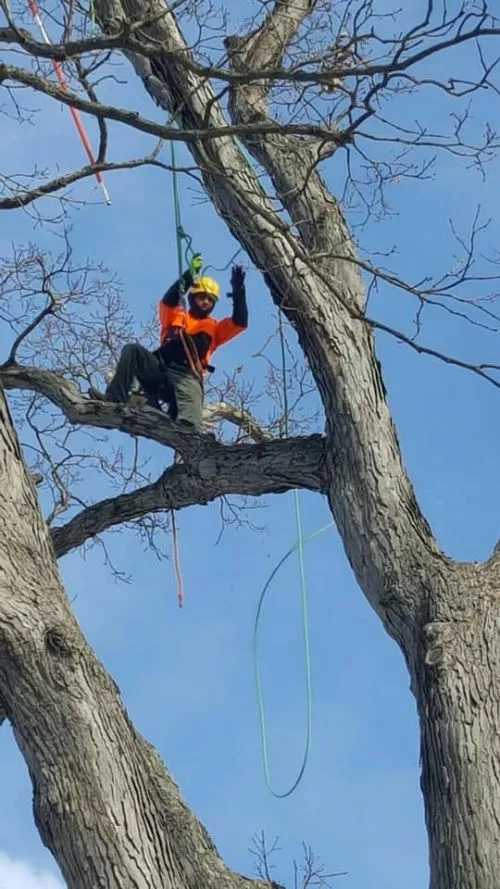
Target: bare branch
{"points": [[488, 372], [266, 47], [221, 410], [145, 422], [263, 855], [23, 198], [313, 872], [48, 309]]}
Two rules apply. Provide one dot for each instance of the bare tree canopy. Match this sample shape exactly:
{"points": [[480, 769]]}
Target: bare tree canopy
{"points": [[310, 127]]}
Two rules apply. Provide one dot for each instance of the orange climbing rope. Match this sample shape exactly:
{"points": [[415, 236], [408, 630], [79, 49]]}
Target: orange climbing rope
{"points": [[177, 561], [74, 112]]}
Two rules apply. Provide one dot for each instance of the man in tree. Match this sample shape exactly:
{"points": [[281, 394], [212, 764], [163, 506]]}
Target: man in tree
{"points": [[174, 373], [258, 134]]}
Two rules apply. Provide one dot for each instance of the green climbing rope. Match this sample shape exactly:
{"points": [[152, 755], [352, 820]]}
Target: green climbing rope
{"points": [[177, 211], [181, 236], [299, 548], [301, 542]]}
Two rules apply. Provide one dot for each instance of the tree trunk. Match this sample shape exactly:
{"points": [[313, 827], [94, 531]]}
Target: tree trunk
{"points": [[456, 681], [104, 805]]}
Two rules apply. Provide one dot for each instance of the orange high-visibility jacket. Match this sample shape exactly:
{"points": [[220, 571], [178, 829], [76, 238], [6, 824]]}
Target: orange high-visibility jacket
{"points": [[220, 332], [207, 334]]}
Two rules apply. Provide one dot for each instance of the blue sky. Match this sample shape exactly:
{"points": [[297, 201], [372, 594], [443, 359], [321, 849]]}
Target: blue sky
{"points": [[186, 677]]}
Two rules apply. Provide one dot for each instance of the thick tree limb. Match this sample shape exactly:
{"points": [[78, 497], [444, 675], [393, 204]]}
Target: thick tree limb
{"points": [[265, 47], [210, 470], [291, 162], [249, 469], [79, 410], [145, 422], [103, 802]]}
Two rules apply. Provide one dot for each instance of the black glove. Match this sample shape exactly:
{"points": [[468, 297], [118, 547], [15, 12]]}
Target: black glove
{"points": [[237, 282]]}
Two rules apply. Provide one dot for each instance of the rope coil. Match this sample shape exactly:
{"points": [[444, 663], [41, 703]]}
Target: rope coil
{"points": [[299, 547]]}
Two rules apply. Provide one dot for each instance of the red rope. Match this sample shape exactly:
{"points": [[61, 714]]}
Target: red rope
{"points": [[74, 111], [177, 561]]}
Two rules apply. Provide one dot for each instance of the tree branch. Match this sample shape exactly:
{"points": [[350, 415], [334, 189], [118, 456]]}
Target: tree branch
{"points": [[291, 162], [49, 309], [79, 410], [244, 469], [266, 46], [209, 469], [244, 420], [24, 198], [277, 30], [134, 120]]}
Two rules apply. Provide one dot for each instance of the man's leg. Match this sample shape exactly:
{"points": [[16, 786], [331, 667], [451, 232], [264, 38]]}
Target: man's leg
{"points": [[188, 393], [135, 361]]}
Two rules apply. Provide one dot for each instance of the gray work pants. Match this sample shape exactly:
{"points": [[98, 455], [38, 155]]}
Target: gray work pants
{"points": [[172, 383]]}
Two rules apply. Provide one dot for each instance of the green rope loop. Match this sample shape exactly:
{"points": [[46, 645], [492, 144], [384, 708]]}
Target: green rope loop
{"points": [[298, 545], [299, 548]]}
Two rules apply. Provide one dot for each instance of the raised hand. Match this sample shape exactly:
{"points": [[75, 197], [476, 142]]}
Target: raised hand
{"points": [[237, 281]]}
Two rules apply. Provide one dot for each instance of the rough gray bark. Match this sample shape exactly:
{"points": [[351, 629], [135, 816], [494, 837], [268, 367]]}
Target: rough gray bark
{"points": [[455, 673], [103, 802], [219, 470], [445, 616], [409, 582]]}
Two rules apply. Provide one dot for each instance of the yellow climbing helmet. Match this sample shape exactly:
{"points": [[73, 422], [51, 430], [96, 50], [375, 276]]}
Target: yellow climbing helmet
{"points": [[205, 285]]}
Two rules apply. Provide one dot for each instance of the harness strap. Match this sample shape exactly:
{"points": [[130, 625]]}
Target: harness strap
{"points": [[190, 350], [192, 356]]}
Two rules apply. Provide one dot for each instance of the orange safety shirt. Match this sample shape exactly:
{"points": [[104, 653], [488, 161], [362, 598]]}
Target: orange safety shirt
{"points": [[220, 332]]}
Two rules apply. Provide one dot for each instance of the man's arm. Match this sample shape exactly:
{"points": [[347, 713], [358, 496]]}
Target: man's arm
{"points": [[228, 328], [240, 308]]}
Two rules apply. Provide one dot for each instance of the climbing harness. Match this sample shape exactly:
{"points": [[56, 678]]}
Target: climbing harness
{"points": [[192, 357], [298, 547], [74, 112]]}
